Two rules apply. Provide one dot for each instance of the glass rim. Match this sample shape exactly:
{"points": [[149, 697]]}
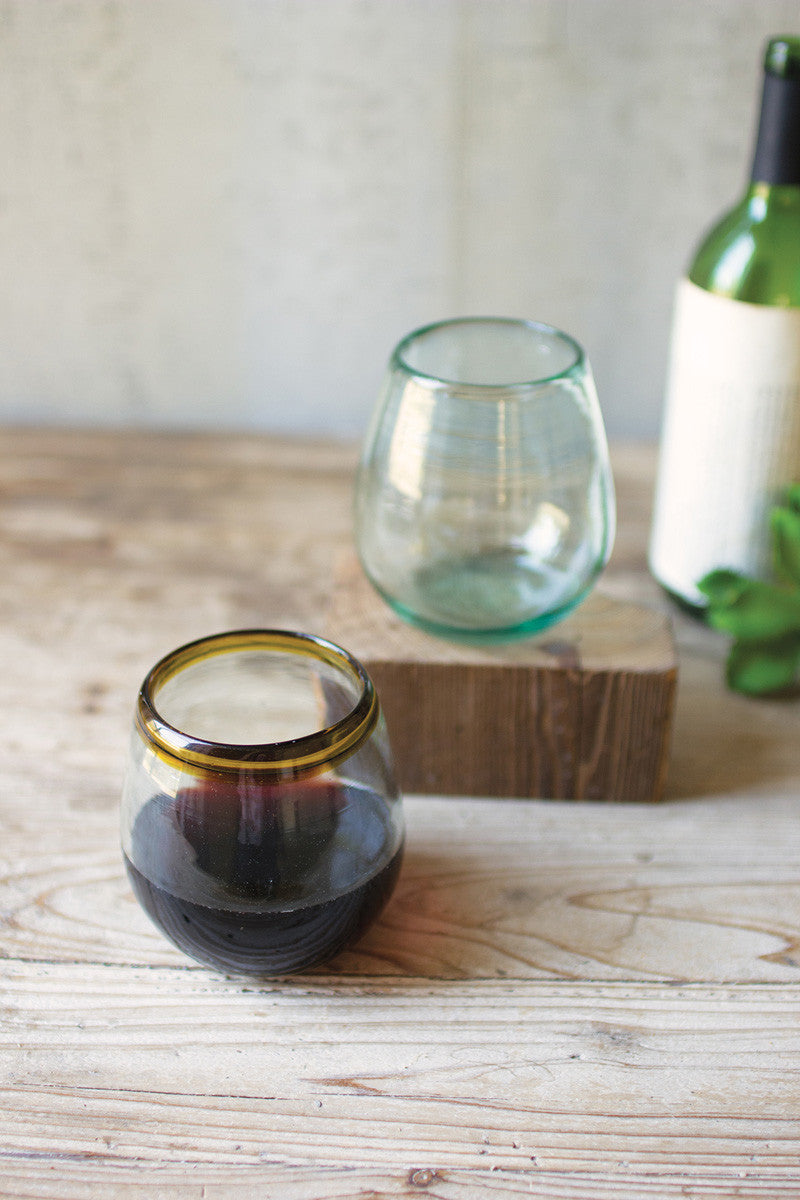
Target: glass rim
{"points": [[290, 758], [399, 361]]}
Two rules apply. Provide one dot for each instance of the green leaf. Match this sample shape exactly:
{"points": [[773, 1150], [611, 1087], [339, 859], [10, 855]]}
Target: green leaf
{"points": [[792, 498], [758, 669], [722, 586], [760, 611], [785, 527]]}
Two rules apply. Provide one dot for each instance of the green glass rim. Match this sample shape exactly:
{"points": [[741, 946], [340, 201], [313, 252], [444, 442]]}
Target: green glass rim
{"points": [[271, 761], [398, 360]]}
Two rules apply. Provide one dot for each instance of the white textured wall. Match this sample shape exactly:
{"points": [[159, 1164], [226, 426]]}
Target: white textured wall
{"points": [[225, 212]]}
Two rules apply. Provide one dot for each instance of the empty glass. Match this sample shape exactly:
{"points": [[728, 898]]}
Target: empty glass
{"points": [[484, 498], [262, 828]]}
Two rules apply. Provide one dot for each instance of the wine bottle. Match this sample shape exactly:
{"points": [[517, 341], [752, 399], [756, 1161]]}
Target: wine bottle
{"points": [[730, 442]]}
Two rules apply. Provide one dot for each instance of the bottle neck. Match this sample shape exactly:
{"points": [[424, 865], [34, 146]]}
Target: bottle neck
{"points": [[765, 200], [777, 153]]}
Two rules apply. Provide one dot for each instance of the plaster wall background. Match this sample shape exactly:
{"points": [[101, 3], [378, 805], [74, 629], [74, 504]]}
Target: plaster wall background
{"points": [[224, 213]]}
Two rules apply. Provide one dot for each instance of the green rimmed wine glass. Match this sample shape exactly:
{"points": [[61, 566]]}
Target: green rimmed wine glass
{"points": [[484, 501]]}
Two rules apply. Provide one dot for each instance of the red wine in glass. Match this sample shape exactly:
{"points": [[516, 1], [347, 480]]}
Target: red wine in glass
{"points": [[264, 878]]}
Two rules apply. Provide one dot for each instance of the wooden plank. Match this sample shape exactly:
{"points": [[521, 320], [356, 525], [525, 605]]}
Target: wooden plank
{"points": [[101, 1067], [584, 711], [488, 889], [65, 1179], [116, 548]]}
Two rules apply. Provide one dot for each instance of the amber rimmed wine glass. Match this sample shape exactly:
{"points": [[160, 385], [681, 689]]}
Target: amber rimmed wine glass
{"points": [[262, 827]]}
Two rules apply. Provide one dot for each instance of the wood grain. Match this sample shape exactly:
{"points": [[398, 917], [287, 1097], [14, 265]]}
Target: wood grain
{"points": [[581, 1081], [563, 1000], [564, 891], [330, 1038], [583, 711]]}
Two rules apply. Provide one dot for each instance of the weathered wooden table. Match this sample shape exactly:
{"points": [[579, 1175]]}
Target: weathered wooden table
{"points": [[561, 1000]]}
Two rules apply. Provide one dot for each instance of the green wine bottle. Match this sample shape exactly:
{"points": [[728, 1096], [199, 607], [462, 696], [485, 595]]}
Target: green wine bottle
{"points": [[730, 443]]}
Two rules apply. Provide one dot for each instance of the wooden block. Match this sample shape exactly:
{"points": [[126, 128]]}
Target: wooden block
{"points": [[583, 711]]}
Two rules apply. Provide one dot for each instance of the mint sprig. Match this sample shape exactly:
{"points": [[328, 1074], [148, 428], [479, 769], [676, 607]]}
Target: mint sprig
{"points": [[762, 617]]}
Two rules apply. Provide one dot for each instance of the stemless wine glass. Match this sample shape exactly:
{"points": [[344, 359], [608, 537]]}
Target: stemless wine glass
{"points": [[484, 498], [262, 828]]}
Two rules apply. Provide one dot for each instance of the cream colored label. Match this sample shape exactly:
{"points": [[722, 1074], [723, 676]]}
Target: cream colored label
{"points": [[731, 436]]}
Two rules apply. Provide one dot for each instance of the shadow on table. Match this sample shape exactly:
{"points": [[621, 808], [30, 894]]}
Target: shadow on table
{"points": [[724, 743]]}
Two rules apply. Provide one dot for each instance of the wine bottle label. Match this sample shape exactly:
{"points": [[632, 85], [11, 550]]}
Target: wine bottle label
{"points": [[731, 437]]}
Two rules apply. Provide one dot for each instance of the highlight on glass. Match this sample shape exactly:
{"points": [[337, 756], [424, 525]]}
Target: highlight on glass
{"points": [[484, 501], [262, 827]]}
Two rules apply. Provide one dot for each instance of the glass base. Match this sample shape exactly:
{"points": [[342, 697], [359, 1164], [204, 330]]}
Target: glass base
{"points": [[492, 597]]}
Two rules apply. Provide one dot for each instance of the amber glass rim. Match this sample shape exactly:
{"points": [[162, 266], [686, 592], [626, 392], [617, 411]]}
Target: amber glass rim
{"points": [[577, 364], [294, 757]]}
